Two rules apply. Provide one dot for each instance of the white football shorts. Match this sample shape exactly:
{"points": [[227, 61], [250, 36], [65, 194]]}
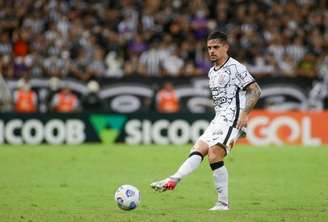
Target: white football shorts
{"points": [[220, 133]]}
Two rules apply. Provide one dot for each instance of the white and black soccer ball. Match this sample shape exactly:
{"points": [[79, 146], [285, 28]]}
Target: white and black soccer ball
{"points": [[127, 197]]}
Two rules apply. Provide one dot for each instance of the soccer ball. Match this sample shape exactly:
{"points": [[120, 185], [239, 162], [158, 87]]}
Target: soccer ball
{"points": [[127, 197]]}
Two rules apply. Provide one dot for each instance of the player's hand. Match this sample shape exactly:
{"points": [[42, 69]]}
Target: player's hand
{"points": [[242, 121], [232, 143]]}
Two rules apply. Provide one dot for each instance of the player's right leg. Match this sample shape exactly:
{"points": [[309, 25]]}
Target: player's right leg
{"points": [[194, 159], [216, 156]]}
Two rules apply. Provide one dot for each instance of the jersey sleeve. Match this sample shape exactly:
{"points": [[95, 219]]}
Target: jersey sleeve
{"points": [[243, 77]]}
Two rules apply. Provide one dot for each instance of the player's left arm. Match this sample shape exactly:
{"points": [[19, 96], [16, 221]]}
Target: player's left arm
{"points": [[253, 93]]}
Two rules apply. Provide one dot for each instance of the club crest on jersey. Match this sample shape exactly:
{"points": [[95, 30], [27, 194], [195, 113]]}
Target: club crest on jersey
{"points": [[223, 79]]}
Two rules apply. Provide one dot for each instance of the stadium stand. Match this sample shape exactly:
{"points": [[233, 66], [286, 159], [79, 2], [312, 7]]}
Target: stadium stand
{"points": [[141, 44]]}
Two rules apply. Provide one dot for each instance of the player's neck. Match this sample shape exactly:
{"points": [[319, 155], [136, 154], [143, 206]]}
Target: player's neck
{"points": [[221, 62]]}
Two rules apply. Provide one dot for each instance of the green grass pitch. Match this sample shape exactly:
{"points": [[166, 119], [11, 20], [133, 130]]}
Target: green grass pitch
{"points": [[77, 183]]}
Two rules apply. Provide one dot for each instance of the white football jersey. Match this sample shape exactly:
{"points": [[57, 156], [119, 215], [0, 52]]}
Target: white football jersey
{"points": [[227, 85]]}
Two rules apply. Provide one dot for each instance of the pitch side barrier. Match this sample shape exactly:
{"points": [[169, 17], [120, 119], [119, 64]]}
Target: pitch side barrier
{"points": [[136, 94], [264, 128]]}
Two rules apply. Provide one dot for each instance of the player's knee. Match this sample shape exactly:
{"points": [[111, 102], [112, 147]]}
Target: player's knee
{"points": [[214, 158], [215, 154], [200, 146]]}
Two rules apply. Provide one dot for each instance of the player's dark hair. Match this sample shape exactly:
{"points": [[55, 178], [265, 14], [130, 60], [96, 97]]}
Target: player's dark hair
{"points": [[218, 35]]}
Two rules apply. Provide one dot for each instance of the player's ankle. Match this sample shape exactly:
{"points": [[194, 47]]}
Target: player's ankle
{"points": [[174, 179]]}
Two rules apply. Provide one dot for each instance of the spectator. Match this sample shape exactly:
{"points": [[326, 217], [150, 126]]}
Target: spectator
{"points": [[151, 61], [97, 66], [6, 67], [5, 97], [53, 86], [296, 48], [20, 43], [263, 65], [322, 66], [137, 45], [5, 44], [199, 18], [91, 101], [167, 100], [173, 64], [114, 63], [25, 98], [79, 67], [307, 66], [190, 69], [287, 66], [65, 101], [46, 29], [55, 67], [131, 66]]}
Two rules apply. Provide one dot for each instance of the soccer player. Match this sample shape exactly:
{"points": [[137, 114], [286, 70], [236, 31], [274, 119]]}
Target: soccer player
{"points": [[235, 93]]}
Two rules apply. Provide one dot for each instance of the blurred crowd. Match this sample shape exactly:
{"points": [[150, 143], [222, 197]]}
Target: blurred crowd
{"points": [[91, 40]]}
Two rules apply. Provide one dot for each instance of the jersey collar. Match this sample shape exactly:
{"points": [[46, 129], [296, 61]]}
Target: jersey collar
{"points": [[222, 64]]}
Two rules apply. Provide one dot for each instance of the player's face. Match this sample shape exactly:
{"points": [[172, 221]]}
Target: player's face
{"points": [[217, 50]]}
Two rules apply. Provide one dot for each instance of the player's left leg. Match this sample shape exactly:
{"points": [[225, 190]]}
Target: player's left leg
{"points": [[194, 159], [216, 156]]}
